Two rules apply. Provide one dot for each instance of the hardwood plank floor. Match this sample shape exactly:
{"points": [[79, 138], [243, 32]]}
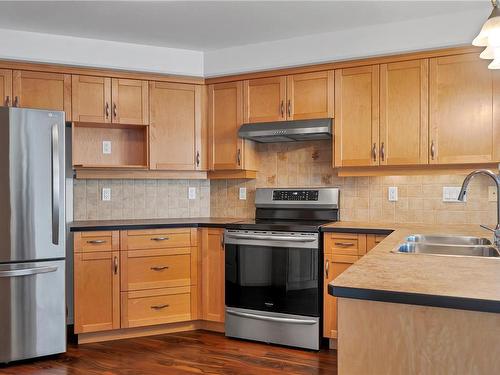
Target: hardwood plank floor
{"points": [[196, 352]]}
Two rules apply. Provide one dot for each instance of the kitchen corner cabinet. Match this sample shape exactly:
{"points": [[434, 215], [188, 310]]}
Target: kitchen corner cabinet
{"points": [[341, 250], [106, 100], [464, 117], [356, 135], [293, 97], [225, 116], [96, 281], [5, 87], [213, 280], [41, 90], [176, 134]]}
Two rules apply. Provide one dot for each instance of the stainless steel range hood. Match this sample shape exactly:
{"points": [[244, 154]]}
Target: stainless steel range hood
{"points": [[287, 131]]}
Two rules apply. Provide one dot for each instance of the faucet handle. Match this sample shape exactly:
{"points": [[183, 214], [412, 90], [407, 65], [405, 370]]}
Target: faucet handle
{"points": [[487, 228]]}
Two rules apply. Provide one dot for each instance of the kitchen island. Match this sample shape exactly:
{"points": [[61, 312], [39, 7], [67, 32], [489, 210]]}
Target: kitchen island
{"points": [[418, 313]]}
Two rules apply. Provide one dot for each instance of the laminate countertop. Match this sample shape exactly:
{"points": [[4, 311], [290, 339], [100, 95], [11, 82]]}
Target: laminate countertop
{"points": [[469, 283], [96, 225]]}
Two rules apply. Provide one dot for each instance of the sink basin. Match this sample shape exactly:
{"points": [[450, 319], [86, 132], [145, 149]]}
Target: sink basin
{"points": [[448, 239], [457, 250]]}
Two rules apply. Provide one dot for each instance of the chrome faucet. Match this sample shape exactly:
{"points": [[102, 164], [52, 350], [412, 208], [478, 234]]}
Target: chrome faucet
{"points": [[495, 178]]}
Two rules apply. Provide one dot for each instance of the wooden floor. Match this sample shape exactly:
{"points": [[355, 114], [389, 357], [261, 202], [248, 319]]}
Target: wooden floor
{"points": [[197, 352]]}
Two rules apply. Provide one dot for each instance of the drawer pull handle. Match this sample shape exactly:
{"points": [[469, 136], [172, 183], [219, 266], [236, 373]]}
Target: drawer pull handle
{"points": [[96, 242], [344, 244], [159, 238], [159, 307], [159, 268]]}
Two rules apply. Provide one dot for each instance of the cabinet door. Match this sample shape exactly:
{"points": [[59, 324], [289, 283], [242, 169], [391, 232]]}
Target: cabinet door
{"points": [[334, 265], [403, 113], [265, 99], [373, 240], [130, 101], [175, 126], [225, 115], [5, 87], [91, 99], [40, 90], [97, 291], [356, 116], [213, 281], [462, 126], [310, 95]]}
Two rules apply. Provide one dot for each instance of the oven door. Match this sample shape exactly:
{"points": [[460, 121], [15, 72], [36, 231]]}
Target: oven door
{"points": [[273, 271]]}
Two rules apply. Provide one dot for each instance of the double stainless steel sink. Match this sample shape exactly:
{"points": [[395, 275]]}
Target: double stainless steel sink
{"points": [[448, 245]]}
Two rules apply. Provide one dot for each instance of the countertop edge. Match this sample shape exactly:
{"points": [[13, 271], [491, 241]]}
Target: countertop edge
{"points": [[408, 298], [91, 228]]}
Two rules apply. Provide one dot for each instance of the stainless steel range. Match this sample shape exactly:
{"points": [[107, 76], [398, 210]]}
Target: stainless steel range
{"points": [[273, 268]]}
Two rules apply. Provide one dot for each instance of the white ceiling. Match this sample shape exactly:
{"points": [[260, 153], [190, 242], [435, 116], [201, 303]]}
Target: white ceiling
{"points": [[212, 25]]}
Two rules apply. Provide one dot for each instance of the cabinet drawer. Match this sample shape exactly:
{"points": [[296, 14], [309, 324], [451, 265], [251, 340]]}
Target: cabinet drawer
{"points": [[96, 241], [157, 269], [345, 244], [156, 306], [155, 238]]}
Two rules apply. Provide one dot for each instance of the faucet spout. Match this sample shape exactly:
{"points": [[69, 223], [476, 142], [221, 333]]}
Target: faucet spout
{"points": [[496, 179]]}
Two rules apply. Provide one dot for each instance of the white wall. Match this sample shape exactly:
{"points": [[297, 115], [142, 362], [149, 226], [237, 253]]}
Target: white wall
{"points": [[29, 46], [425, 33]]}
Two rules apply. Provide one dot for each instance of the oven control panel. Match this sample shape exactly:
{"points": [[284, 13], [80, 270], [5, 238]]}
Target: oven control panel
{"points": [[295, 195]]}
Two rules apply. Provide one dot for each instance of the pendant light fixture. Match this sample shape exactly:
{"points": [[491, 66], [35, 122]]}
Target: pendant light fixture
{"points": [[489, 37]]}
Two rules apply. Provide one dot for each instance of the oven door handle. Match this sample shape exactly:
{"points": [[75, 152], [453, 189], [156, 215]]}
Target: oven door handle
{"points": [[270, 238], [271, 318]]}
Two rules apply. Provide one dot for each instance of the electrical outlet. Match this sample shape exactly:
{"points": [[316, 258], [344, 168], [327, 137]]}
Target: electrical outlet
{"points": [[106, 147], [492, 193], [106, 194], [192, 193], [392, 193], [450, 194], [243, 194]]}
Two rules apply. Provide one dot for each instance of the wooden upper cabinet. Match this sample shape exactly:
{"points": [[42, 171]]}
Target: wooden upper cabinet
{"points": [[42, 90], [213, 284], [225, 116], [356, 116], [91, 99], [463, 120], [5, 87], [265, 99], [176, 126], [97, 291], [310, 95], [404, 113], [130, 101]]}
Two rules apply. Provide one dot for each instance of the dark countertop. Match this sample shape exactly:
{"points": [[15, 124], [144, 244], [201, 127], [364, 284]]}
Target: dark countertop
{"points": [[96, 225]]}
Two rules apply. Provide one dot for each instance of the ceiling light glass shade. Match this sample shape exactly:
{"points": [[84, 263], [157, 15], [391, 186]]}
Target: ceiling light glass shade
{"points": [[495, 64], [488, 53], [489, 36]]}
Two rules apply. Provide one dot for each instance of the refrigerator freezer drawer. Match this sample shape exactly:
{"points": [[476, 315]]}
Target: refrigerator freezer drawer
{"points": [[32, 310]]}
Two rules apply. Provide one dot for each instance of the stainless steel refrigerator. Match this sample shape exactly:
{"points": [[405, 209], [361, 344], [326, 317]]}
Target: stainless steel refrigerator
{"points": [[32, 233]]}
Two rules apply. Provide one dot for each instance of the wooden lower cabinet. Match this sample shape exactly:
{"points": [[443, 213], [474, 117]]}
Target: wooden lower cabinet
{"points": [[213, 281], [341, 250], [155, 306]]}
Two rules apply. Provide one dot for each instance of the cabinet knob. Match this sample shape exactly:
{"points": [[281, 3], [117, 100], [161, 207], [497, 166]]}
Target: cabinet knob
{"points": [[433, 150], [7, 101], [197, 158], [115, 111], [289, 108], [327, 267], [159, 307], [382, 151], [159, 268], [282, 108], [107, 110], [16, 101], [115, 265], [374, 152], [238, 157]]}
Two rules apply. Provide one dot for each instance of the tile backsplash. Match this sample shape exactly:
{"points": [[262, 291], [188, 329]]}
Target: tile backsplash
{"points": [[300, 164], [140, 199], [308, 164]]}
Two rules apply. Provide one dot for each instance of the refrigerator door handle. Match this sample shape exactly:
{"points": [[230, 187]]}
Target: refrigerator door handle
{"points": [[55, 184], [28, 271]]}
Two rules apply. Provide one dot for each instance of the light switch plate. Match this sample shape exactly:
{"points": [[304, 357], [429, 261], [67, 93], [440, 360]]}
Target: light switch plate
{"points": [[243, 194], [106, 194], [106, 147], [450, 194], [392, 193], [192, 193], [492, 193]]}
